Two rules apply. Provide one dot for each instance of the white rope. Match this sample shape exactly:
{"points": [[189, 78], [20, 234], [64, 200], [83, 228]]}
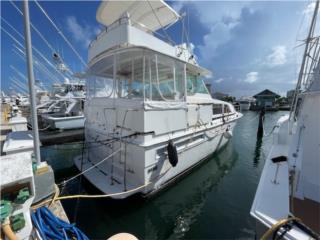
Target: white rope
{"points": [[90, 168], [34, 28], [35, 49], [61, 33], [37, 64], [15, 30]]}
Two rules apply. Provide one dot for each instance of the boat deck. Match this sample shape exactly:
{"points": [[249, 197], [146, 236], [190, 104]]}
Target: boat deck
{"points": [[309, 212]]}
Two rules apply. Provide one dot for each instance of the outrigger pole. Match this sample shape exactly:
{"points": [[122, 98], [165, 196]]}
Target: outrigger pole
{"points": [[28, 46]]}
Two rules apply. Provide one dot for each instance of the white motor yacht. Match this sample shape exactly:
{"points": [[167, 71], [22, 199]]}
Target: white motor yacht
{"points": [[287, 201], [149, 116]]}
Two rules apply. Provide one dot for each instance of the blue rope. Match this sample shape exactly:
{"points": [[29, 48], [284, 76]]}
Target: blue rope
{"points": [[51, 227]]}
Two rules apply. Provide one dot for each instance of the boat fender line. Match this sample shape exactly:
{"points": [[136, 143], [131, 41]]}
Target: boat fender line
{"points": [[172, 153]]}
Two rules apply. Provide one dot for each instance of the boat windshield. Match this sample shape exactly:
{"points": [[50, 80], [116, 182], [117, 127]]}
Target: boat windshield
{"points": [[195, 85], [142, 74]]}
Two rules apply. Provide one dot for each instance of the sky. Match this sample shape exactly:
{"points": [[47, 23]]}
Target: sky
{"points": [[249, 46]]}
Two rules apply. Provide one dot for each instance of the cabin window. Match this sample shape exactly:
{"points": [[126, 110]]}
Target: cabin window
{"points": [[99, 87], [195, 85], [142, 74], [227, 109], [129, 77], [163, 79], [217, 109]]}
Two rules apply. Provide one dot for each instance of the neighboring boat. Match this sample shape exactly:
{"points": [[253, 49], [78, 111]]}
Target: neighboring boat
{"points": [[65, 110], [245, 103], [287, 201], [64, 114], [149, 116]]}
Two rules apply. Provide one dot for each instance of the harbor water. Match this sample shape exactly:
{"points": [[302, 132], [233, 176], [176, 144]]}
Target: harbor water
{"points": [[212, 202]]}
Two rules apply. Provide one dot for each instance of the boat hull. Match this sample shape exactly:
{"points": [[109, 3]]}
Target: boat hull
{"points": [[64, 123], [148, 169]]}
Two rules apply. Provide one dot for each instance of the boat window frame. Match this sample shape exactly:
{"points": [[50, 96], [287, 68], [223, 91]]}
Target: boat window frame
{"points": [[147, 74]]}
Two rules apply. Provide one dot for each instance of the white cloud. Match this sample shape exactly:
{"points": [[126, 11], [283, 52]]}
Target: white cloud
{"points": [[309, 9], [221, 23], [81, 33], [278, 56], [251, 77], [219, 80]]}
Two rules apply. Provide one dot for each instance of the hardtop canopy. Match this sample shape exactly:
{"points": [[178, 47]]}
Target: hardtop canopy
{"points": [[151, 14]]}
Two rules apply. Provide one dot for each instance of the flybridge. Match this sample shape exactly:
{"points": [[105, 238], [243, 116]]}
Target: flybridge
{"points": [[148, 15], [136, 24]]}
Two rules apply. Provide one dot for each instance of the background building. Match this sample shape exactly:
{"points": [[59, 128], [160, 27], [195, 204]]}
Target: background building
{"points": [[266, 99]]}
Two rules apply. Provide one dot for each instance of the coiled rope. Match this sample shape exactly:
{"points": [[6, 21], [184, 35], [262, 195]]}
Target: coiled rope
{"points": [[51, 227]]}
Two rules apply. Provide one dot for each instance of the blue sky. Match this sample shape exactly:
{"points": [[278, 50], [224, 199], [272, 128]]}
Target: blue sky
{"points": [[249, 46]]}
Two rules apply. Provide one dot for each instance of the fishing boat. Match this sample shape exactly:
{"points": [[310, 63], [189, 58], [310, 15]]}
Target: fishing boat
{"points": [[149, 116], [65, 111], [64, 114], [287, 201]]}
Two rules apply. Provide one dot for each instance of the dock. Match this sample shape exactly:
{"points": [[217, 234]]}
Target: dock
{"points": [[5, 128]]}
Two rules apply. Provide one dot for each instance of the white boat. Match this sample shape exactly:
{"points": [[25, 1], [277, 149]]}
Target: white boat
{"points": [[245, 103], [64, 114], [65, 110], [18, 123], [287, 201], [149, 116]]}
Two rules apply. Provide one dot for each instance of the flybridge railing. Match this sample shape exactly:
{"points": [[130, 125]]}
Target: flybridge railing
{"points": [[310, 61], [126, 20]]}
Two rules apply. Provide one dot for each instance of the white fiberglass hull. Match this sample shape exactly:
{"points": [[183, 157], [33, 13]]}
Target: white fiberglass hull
{"points": [[108, 177], [65, 123]]}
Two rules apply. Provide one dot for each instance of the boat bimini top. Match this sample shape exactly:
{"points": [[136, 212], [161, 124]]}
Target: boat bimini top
{"points": [[142, 13]]}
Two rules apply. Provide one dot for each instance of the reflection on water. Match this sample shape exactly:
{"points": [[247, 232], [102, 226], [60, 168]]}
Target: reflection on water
{"points": [[212, 202], [257, 152], [203, 182]]}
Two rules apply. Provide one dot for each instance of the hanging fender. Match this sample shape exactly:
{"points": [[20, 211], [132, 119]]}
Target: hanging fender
{"points": [[227, 134], [172, 153]]}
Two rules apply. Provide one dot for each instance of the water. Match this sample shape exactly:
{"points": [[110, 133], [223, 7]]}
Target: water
{"points": [[213, 202]]}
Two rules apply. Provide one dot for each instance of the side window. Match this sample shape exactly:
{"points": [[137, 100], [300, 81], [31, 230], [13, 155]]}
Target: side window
{"points": [[226, 109], [217, 109]]}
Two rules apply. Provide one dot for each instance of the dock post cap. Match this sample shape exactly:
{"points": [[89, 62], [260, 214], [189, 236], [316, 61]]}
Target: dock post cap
{"points": [[123, 236]]}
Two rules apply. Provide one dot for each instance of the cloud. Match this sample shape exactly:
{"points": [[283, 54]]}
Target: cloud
{"points": [[251, 77], [81, 33], [251, 42], [219, 80], [220, 26], [278, 56], [309, 9]]}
